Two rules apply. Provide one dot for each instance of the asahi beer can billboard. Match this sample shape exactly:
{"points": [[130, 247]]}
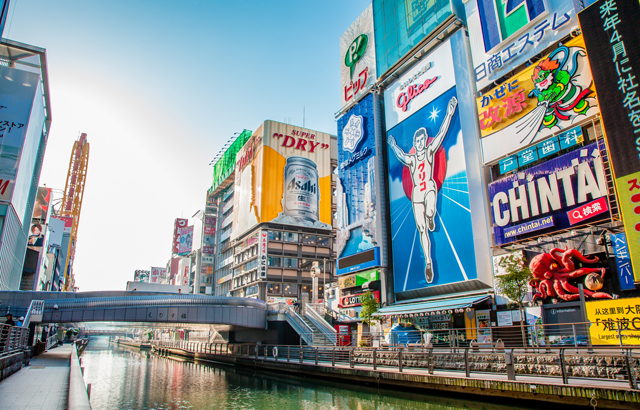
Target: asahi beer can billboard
{"points": [[283, 175]]}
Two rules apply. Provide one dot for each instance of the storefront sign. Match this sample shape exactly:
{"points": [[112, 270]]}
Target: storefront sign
{"points": [[209, 230], [483, 324], [210, 220], [263, 240], [357, 279], [610, 30], [540, 101], [505, 34], [225, 278], [504, 318], [207, 259], [356, 300], [607, 315], [623, 261], [208, 249], [588, 211], [554, 189], [358, 65]]}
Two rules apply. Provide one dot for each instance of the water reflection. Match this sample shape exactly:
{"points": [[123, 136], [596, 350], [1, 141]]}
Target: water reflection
{"points": [[124, 378]]}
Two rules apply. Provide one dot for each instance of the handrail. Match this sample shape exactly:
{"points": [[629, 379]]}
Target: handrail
{"points": [[295, 320], [78, 395], [13, 338], [160, 300], [36, 308], [318, 321]]}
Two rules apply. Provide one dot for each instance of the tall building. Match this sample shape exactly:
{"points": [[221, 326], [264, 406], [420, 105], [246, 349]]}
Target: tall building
{"points": [[25, 118]]}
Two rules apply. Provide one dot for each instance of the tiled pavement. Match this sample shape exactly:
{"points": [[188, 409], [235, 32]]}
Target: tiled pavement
{"points": [[43, 385]]}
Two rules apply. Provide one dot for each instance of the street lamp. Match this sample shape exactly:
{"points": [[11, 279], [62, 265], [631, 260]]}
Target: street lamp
{"points": [[314, 271]]}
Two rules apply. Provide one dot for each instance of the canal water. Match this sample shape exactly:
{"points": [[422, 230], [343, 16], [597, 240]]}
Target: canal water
{"points": [[124, 378]]}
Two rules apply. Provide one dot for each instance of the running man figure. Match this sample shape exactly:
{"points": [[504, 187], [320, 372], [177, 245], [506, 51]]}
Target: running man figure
{"points": [[424, 192]]}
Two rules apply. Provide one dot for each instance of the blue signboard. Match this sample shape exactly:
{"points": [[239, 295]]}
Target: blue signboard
{"points": [[549, 189], [527, 156], [528, 227], [431, 234], [356, 187], [623, 261], [508, 164], [570, 137], [548, 147]]}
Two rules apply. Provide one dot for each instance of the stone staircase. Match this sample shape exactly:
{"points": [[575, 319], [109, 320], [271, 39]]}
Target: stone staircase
{"points": [[319, 339]]}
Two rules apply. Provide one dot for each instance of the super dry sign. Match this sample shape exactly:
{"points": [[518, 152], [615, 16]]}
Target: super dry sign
{"points": [[356, 300]]}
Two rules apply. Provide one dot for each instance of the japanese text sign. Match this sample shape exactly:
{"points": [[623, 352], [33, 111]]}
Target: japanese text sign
{"points": [[623, 261], [587, 211]]}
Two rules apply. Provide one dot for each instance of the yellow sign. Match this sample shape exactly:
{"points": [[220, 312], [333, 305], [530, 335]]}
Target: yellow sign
{"points": [[346, 281], [628, 198], [607, 316], [551, 95]]}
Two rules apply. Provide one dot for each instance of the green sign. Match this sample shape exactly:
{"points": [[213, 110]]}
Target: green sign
{"points": [[356, 52]]}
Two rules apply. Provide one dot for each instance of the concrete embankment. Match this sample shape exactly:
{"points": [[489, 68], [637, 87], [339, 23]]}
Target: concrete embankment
{"points": [[605, 394]]}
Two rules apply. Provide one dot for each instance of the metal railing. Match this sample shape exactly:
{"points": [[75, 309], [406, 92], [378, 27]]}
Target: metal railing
{"points": [[13, 339], [299, 325], [36, 308], [619, 366], [148, 301], [327, 331]]}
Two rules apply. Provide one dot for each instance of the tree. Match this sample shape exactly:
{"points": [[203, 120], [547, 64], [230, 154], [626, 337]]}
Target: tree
{"points": [[369, 307], [515, 283]]}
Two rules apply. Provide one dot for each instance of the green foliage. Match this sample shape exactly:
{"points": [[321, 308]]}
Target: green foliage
{"points": [[515, 283], [369, 307]]}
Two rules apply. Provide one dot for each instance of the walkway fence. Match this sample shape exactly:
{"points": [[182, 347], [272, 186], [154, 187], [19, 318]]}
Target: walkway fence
{"points": [[614, 364], [13, 339]]}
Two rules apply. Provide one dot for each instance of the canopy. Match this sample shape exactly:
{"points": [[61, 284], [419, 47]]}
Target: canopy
{"points": [[427, 305]]}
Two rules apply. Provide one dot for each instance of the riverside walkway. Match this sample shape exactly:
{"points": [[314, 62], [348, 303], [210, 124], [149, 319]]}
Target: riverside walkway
{"points": [[42, 385]]}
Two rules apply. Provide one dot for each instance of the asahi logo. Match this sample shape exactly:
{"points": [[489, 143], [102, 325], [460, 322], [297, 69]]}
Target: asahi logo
{"points": [[299, 184]]}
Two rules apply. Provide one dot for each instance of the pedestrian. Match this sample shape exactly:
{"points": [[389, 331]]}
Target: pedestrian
{"points": [[9, 320], [179, 290]]}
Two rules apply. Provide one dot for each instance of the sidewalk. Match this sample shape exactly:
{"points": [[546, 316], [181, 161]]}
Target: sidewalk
{"points": [[43, 385]]}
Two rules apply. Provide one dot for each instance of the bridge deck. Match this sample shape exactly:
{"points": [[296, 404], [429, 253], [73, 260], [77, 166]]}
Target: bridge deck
{"points": [[43, 385]]}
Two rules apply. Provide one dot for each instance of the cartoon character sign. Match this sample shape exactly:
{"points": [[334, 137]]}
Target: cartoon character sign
{"points": [[432, 241]]}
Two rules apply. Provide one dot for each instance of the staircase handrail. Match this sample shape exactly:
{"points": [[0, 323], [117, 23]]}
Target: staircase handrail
{"points": [[318, 321], [295, 320], [36, 308]]}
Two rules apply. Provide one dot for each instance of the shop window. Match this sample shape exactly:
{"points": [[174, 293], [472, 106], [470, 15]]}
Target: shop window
{"points": [[275, 235], [290, 289], [290, 262], [275, 261], [309, 239], [251, 290], [274, 288], [290, 236], [202, 289], [322, 241]]}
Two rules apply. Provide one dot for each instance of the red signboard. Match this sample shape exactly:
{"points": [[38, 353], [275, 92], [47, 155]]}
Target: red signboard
{"points": [[209, 230], [589, 210], [179, 223], [356, 300], [210, 220], [208, 249]]}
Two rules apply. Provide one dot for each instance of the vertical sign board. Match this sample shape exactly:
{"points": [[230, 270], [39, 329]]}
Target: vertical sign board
{"points": [[177, 225], [357, 182], [623, 261], [357, 57], [263, 240], [611, 35], [505, 34], [430, 211]]}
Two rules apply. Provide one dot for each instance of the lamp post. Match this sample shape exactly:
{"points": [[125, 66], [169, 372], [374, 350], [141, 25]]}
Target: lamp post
{"points": [[314, 280], [324, 280]]}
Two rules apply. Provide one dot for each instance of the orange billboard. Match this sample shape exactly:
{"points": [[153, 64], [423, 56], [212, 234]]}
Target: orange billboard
{"points": [[283, 175]]}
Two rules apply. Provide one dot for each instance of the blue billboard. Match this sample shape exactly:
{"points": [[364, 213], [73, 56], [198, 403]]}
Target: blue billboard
{"points": [[431, 227], [356, 187]]}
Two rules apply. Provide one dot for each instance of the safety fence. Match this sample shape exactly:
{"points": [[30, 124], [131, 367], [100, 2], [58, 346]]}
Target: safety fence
{"points": [[13, 338], [614, 364]]}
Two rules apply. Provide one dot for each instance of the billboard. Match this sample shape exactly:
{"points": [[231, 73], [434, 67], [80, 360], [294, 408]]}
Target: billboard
{"points": [[607, 315], [141, 276], [357, 188], [68, 222], [357, 57], [16, 100], [36, 235], [505, 34], [177, 225], [565, 191], [157, 275], [356, 300], [431, 227], [554, 94], [186, 240], [611, 35], [283, 175], [41, 206]]}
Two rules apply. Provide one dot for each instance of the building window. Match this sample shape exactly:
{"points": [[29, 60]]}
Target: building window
{"points": [[275, 261], [290, 236], [251, 290], [275, 235], [289, 262], [308, 239], [201, 289], [322, 241], [274, 288], [290, 289]]}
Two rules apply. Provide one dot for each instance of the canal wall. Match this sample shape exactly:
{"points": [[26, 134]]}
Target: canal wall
{"points": [[12, 363], [533, 389]]}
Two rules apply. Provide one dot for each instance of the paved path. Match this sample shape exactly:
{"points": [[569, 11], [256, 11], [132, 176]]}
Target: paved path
{"points": [[43, 385]]}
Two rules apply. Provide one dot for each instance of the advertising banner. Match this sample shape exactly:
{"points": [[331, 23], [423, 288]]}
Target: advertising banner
{"points": [[623, 261], [36, 235], [551, 95], [550, 196], [177, 225], [210, 220], [209, 230], [186, 240], [157, 274], [68, 222], [283, 175], [505, 34], [357, 57], [607, 314], [208, 249], [610, 30], [263, 240], [141, 276], [483, 324], [207, 259], [41, 206], [356, 300], [56, 228], [431, 232], [16, 100], [356, 186], [358, 279]]}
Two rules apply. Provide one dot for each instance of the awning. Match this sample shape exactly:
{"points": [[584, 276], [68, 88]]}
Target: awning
{"points": [[425, 306]]}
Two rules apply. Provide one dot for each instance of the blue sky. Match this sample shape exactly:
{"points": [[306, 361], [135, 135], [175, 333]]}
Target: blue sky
{"points": [[159, 87]]}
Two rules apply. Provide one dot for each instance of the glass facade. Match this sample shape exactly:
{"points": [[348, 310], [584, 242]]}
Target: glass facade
{"points": [[401, 24]]}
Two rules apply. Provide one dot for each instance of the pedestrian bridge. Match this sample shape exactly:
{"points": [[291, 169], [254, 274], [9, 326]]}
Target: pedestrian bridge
{"points": [[124, 306]]}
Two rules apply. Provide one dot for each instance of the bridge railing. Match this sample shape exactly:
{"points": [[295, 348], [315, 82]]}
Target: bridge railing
{"points": [[13, 338], [328, 331], [155, 300], [298, 324], [615, 365]]}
